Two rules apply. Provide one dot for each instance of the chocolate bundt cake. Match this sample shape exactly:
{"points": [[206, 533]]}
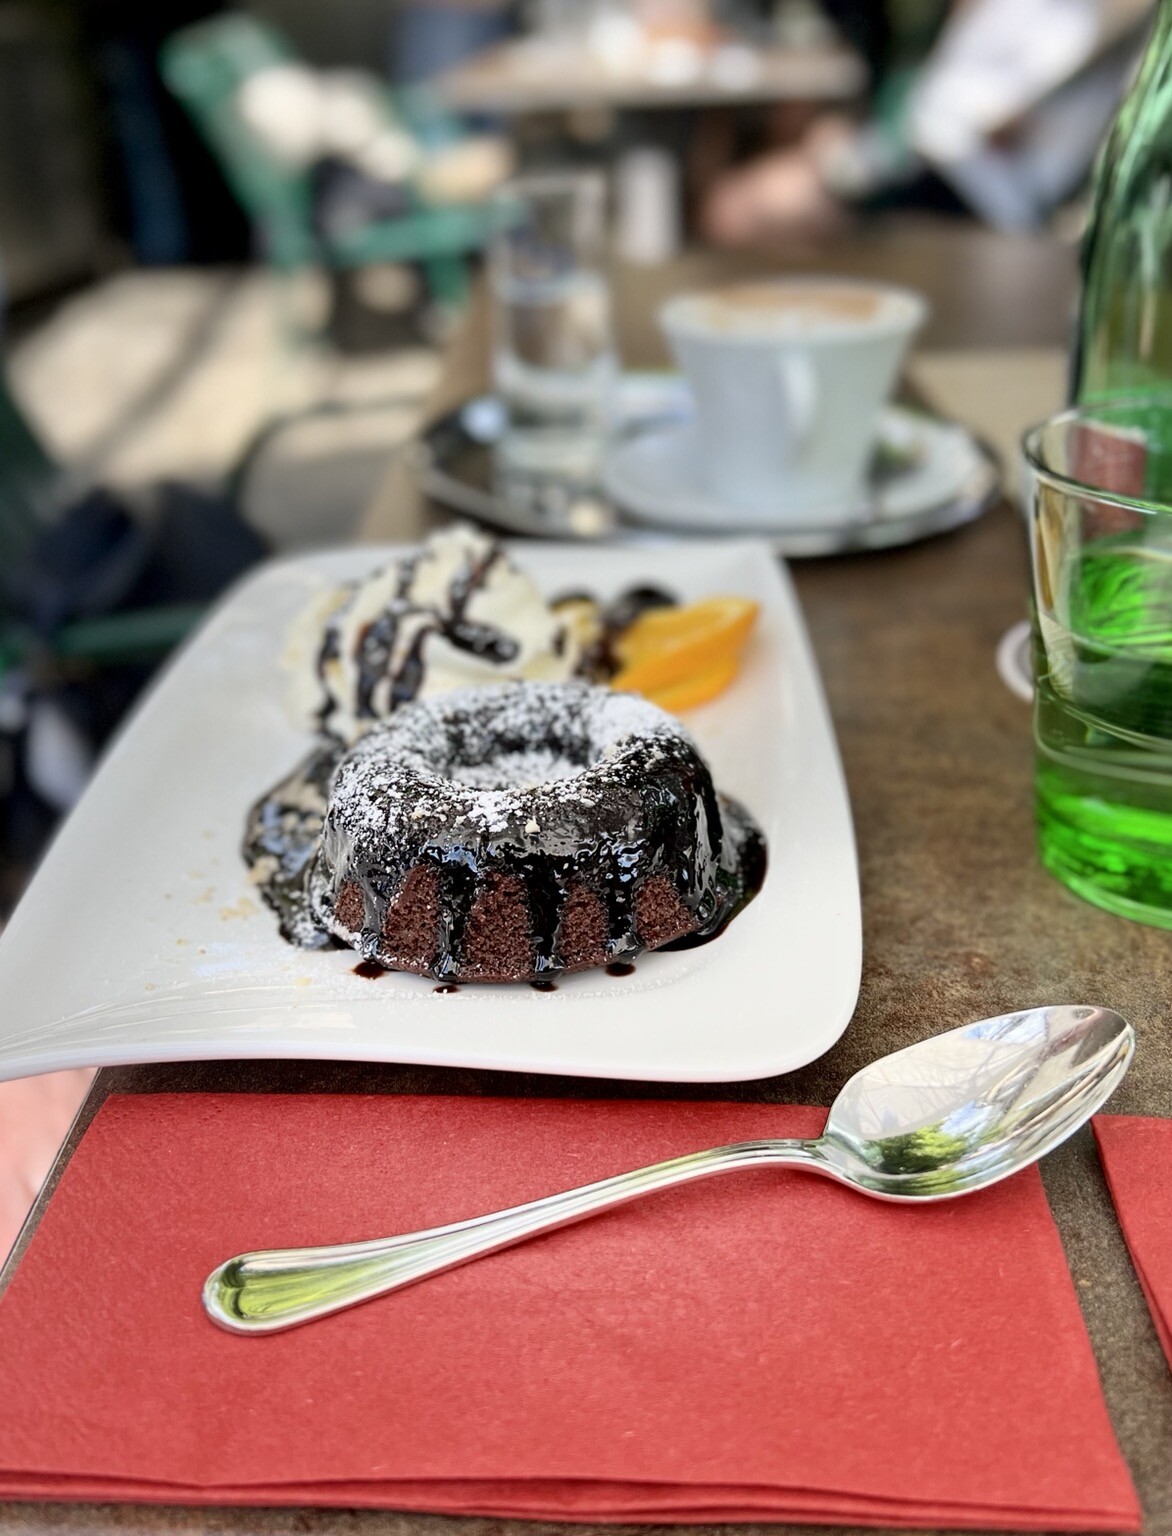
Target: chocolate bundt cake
{"points": [[513, 833]]}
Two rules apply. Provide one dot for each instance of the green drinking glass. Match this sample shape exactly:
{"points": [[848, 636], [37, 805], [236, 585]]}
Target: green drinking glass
{"points": [[1101, 543]]}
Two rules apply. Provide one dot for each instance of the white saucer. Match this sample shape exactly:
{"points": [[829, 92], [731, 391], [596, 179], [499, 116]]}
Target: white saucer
{"points": [[924, 472], [1015, 664]]}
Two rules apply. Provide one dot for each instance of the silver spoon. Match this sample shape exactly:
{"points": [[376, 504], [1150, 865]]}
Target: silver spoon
{"points": [[942, 1118]]}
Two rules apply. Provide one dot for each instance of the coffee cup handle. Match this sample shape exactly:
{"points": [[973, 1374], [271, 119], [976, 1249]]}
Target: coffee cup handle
{"points": [[799, 387]]}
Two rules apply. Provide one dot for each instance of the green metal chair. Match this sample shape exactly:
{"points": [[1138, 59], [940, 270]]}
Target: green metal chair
{"points": [[205, 66]]}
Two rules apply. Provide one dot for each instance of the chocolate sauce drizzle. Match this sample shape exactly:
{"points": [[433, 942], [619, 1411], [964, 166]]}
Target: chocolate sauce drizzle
{"points": [[600, 661], [376, 643]]}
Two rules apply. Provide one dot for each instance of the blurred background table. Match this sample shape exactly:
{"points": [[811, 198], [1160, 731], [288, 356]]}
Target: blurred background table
{"points": [[960, 921], [535, 75]]}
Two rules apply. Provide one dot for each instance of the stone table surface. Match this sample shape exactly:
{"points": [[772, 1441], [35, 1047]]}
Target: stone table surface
{"points": [[959, 922]]}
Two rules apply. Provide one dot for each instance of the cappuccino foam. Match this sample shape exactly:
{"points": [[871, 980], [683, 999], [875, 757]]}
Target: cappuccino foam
{"points": [[790, 309]]}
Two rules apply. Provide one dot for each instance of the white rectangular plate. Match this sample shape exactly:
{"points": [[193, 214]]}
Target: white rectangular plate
{"points": [[141, 939]]}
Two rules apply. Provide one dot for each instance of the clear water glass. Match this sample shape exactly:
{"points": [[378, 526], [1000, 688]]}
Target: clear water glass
{"points": [[553, 365], [1101, 537]]}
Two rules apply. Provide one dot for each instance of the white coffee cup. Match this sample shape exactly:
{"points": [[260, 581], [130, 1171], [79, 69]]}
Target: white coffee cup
{"points": [[788, 378]]}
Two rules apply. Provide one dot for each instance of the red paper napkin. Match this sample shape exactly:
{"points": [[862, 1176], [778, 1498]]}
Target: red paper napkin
{"points": [[764, 1345], [1136, 1153]]}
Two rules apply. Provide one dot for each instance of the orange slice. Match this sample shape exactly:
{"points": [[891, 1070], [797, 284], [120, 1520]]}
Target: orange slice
{"points": [[669, 646], [697, 689]]}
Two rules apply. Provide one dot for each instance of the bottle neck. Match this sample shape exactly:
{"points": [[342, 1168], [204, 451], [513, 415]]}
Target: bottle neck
{"points": [[1146, 95], [1158, 53], [1124, 335]]}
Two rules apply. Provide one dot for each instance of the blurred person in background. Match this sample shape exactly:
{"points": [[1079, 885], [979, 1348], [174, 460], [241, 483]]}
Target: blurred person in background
{"points": [[991, 107]]}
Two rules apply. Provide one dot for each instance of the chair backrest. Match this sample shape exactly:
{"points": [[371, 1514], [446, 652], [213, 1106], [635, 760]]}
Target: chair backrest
{"points": [[205, 66]]}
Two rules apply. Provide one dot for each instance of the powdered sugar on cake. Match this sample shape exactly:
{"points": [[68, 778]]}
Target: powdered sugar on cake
{"points": [[446, 754], [517, 770]]}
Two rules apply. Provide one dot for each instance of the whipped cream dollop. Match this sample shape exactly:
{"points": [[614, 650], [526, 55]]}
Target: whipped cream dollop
{"points": [[455, 614]]}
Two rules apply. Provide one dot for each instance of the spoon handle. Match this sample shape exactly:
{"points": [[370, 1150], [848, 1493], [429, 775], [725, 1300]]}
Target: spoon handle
{"points": [[266, 1291]]}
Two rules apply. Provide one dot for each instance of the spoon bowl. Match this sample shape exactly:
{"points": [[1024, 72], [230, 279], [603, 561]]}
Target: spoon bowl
{"points": [[941, 1118], [957, 1112]]}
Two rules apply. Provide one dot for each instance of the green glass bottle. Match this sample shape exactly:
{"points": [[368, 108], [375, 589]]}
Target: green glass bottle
{"points": [[1103, 614], [1124, 339]]}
